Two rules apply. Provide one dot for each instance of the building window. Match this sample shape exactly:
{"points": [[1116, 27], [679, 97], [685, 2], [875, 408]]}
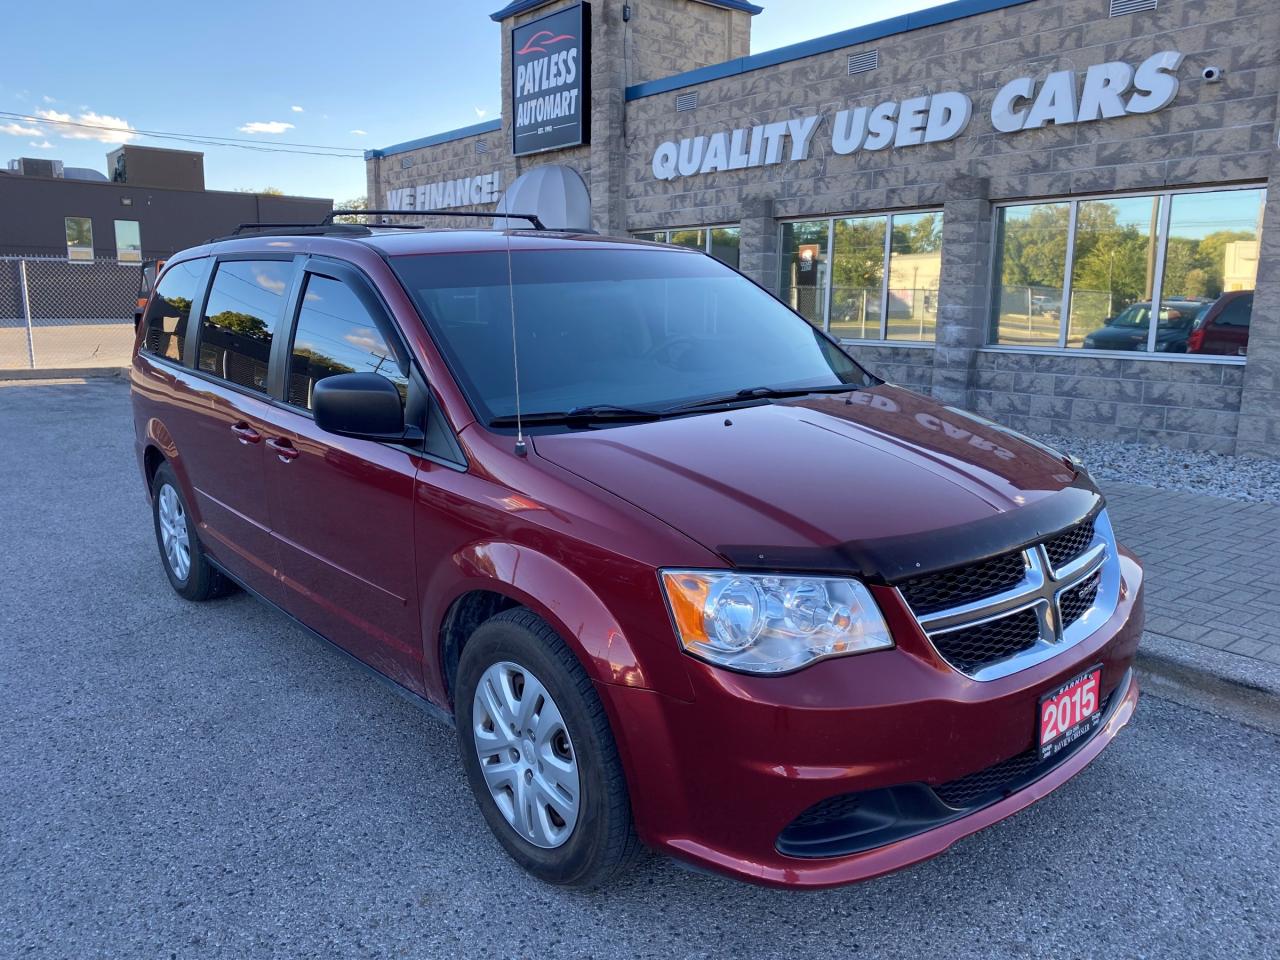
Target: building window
{"points": [[721, 242], [1112, 260], [128, 241], [79, 238], [865, 278]]}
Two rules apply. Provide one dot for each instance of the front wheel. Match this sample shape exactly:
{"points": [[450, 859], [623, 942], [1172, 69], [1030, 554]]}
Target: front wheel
{"points": [[539, 754]]}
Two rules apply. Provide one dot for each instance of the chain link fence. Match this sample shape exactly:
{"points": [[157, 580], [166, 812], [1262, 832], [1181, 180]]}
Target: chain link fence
{"points": [[56, 313]]}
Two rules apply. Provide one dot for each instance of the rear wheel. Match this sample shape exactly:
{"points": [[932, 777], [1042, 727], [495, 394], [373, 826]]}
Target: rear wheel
{"points": [[189, 571], [539, 753]]}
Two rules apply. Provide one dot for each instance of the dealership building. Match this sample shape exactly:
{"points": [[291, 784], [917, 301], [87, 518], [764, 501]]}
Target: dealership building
{"points": [[1051, 212]]}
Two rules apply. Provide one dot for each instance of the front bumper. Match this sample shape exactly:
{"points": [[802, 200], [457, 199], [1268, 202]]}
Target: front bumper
{"points": [[718, 780]]}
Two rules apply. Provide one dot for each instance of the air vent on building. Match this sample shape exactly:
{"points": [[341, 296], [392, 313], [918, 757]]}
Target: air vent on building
{"points": [[1120, 7], [482, 147], [686, 101], [862, 62], [406, 163]]}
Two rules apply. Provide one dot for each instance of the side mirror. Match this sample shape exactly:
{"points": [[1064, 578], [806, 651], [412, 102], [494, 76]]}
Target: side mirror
{"points": [[362, 405]]}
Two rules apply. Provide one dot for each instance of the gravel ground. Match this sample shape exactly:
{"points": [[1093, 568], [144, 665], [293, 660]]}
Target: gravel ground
{"points": [[1218, 474], [204, 780]]}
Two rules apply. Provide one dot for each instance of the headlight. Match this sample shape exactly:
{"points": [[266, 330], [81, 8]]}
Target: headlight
{"points": [[761, 623]]}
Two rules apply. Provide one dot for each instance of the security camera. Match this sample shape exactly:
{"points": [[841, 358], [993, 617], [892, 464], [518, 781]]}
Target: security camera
{"points": [[1212, 74]]}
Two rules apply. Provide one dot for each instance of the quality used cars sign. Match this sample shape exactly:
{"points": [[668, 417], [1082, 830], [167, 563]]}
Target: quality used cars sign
{"points": [[549, 70], [1108, 90]]}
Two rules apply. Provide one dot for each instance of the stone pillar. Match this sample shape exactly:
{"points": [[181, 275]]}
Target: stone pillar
{"points": [[966, 269], [608, 163], [1259, 430], [758, 250]]}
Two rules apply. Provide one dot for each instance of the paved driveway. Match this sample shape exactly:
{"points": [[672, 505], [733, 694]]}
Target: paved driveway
{"points": [[205, 780]]}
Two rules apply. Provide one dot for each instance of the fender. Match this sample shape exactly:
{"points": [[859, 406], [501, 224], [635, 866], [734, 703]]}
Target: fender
{"points": [[564, 600]]}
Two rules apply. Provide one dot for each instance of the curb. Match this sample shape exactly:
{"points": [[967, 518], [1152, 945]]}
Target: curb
{"points": [[63, 373], [1226, 684]]}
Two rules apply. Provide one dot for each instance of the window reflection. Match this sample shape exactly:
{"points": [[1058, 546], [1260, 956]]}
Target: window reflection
{"points": [[1031, 253], [694, 239], [335, 335], [857, 279], [915, 271], [725, 244], [1212, 260], [804, 268], [246, 301], [1113, 271], [166, 322]]}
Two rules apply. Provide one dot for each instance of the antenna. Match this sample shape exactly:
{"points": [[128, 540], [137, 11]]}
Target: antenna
{"points": [[521, 449]]}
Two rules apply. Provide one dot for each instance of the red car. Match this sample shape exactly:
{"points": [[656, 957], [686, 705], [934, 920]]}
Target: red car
{"points": [[1222, 327], [693, 577]]}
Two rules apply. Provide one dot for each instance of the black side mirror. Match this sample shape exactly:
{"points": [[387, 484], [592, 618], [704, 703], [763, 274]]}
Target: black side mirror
{"points": [[362, 405]]}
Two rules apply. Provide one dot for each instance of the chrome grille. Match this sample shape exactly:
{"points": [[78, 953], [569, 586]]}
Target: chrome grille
{"points": [[1065, 547], [964, 584], [987, 624]]}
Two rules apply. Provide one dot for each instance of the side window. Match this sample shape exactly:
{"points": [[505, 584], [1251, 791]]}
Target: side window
{"points": [[166, 321], [336, 334], [246, 302], [1237, 312]]}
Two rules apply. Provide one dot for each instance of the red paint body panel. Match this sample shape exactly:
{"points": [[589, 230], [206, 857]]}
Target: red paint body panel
{"points": [[371, 545]]}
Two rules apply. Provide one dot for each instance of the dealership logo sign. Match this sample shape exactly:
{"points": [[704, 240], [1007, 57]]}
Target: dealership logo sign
{"points": [[1108, 90], [549, 70]]}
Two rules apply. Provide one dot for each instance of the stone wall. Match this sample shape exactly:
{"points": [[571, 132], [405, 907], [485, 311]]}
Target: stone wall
{"points": [[666, 37]]}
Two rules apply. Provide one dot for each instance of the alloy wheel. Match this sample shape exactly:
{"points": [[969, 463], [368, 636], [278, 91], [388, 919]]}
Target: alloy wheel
{"points": [[526, 754], [173, 532]]}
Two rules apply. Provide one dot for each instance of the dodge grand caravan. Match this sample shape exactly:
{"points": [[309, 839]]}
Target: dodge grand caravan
{"points": [[678, 568]]}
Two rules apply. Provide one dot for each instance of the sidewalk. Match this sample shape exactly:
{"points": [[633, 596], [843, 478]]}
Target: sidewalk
{"points": [[1213, 566]]}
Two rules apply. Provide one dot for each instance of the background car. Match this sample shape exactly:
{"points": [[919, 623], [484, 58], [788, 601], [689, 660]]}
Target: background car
{"points": [[1128, 329], [1222, 327]]}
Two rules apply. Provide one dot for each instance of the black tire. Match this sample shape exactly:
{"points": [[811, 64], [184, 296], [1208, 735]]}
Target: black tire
{"points": [[202, 580], [603, 838]]}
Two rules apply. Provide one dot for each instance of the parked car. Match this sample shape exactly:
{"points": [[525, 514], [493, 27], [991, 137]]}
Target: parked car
{"points": [[1128, 329], [1222, 327], [694, 578], [146, 281]]}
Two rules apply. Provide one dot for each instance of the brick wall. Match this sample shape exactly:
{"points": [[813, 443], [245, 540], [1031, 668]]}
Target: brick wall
{"points": [[666, 37]]}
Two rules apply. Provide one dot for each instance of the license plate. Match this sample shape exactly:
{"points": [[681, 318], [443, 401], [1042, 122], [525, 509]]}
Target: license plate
{"points": [[1072, 711]]}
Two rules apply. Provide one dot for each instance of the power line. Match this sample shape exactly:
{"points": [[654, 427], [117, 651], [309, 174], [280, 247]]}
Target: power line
{"points": [[208, 140]]}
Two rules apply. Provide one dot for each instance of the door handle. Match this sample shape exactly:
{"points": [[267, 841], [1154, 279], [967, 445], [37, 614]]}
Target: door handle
{"points": [[245, 433], [285, 450]]}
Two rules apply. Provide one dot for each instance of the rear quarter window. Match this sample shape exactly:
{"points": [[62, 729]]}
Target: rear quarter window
{"points": [[245, 306], [170, 310]]}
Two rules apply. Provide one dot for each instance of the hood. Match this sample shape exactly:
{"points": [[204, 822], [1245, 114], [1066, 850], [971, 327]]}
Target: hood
{"points": [[881, 480]]}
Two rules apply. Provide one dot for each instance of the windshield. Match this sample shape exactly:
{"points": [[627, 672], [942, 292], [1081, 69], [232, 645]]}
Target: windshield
{"points": [[643, 328], [1137, 315]]}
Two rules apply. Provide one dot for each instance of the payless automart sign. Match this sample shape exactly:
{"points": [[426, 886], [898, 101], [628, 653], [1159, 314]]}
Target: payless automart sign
{"points": [[550, 67], [1108, 90]]}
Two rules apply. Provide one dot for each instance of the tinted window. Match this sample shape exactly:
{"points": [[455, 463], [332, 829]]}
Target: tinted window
{"points": [[648, 328], [336, 334], [167, 316], [1237, 312], [246, 302]]}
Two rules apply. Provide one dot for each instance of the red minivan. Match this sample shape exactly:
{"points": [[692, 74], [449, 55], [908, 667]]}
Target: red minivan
{"points": [[678, 568]]}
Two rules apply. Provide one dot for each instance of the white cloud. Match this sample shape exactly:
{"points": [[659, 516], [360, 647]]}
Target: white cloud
{"points": [[42, 146], [95, 126], [480, 113], [20, 130], [296, 109], [266, 126], [360, 133], [48, 99]]}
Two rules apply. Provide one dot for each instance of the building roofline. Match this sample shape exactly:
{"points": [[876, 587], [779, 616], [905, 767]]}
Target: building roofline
{"points": [[524, 6], [489, 126], [21, 178], [947, 12]]}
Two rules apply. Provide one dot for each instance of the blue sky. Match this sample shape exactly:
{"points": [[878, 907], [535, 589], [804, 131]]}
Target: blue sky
{"points": [[338, 74]]}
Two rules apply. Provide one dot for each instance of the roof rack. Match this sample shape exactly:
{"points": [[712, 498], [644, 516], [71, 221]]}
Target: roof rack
{"points": [[532, 218]]}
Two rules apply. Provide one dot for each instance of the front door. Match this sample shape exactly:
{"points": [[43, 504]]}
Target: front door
{"points": [[228, 415], [342, 509]]}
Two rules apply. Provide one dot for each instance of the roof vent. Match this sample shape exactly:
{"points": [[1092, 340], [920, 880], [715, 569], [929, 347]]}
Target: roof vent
{"points": [[869, 60], [482, 147], [1120, 7], [406, 161], [686, 102]]}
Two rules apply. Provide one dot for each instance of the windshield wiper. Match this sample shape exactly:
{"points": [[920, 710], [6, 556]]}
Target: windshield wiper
{"points": [[764, 393], [591, 413]]}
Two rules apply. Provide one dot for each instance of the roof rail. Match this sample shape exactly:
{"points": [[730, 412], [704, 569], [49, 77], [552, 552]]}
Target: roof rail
{"points": [[532, 218], [297, 228]]}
